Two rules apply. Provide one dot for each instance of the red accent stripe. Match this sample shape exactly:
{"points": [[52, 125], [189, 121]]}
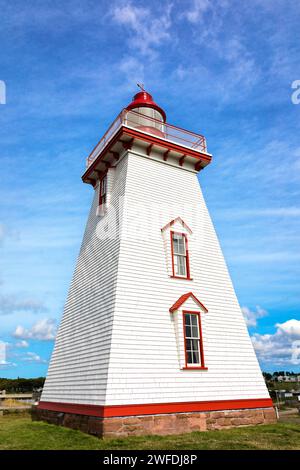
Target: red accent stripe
{"points": [[155, 408]]}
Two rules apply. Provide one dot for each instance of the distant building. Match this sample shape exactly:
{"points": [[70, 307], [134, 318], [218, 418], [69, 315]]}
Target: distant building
{"points": [[288, 378]]}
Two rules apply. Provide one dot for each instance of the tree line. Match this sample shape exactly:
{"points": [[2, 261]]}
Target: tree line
{"points": [[21, 385], [277, 374]]}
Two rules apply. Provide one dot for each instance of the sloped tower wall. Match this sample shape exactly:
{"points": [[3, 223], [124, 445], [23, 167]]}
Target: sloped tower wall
{"points": [[144, 365], [79, 364]]}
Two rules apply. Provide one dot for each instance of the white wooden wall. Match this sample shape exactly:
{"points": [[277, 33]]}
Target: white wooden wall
{"points": [[117, 342], [144, 366], [79, 363]]}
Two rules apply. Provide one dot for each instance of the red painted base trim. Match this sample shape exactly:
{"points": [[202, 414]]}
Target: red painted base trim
{"points": [[155, 408]]}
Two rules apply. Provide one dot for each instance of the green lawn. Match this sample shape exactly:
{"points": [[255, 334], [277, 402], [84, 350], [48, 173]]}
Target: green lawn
{"points": [[19, 432]]}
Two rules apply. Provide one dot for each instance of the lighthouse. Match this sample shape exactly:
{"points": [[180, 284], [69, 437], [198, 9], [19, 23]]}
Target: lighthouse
{"points": [[152, 338]]}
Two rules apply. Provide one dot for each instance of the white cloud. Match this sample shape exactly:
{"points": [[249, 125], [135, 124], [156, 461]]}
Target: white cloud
{"points": [[22, 344], [133, 69], [290, 328], [43, 330], [10, 304], [282, 347], [237, 68], [4, 363], [3, 232], [251, 316], [197, 10], [210, 18], [243, 66], [2, 352], [129, 14], [6, 233], [7, 365], [33, 357], [147, 28]]}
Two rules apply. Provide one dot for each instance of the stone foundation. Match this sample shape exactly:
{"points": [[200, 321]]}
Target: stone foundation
{"points": [[163, 424]]}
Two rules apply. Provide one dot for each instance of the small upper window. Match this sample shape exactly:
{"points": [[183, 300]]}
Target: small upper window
{"points": [[180, 258], [103, 190]]}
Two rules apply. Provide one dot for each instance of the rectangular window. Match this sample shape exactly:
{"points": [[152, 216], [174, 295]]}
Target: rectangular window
{"points": [[103, 190], [180, 255], [193, 340]]}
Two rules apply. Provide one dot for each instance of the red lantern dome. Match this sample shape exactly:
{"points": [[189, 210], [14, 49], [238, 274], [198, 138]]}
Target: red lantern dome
{"points": [[145, 100]]}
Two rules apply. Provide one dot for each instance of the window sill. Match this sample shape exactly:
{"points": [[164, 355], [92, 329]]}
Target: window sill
{"points": [[182, 278], [194, 368]]}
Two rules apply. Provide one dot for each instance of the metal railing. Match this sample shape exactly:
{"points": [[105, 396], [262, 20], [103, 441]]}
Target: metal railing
{"points": [[152, 126]]}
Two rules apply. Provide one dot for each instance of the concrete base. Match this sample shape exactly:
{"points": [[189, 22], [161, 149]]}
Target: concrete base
{"points": [[162, 424]]}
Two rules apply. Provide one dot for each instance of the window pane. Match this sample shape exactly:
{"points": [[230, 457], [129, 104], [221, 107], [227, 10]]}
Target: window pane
{"points": [[195, 332], [195, 357], [187, 319], [195, 344], [103, 185], [194, 320], [188, 331], [178, 244], [180, 265], [103, 190], [189, 357]]}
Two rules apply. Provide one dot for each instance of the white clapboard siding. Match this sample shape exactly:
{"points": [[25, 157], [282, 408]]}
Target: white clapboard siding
{"points": [[145, 364], [79, 363], [117, 342]]}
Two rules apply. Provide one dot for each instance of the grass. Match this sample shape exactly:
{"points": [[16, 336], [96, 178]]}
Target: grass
{"points": [[18, 432]]}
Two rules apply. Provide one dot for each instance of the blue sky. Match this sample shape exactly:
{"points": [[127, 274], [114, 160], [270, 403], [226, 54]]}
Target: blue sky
{"points": [[222, 68]]}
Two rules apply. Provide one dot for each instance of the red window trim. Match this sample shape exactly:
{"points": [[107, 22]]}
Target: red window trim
{"points": [[188, 276], [179, 302], [202, 364], [184, 278], [178, 219], [100, 187]]}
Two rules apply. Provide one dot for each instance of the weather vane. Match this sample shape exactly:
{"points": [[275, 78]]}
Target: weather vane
{"points": [[141, 86]]}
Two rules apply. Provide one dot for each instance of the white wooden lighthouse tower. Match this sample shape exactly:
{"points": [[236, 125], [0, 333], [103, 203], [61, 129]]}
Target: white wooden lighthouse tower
{"points": [[152, 339]]}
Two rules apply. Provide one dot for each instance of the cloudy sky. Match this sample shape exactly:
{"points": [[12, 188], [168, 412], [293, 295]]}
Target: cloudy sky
{"points": [[224, 68]]}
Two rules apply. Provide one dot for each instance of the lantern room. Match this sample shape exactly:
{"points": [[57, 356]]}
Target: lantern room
{"points": [[142, 126], [146, 115]]}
